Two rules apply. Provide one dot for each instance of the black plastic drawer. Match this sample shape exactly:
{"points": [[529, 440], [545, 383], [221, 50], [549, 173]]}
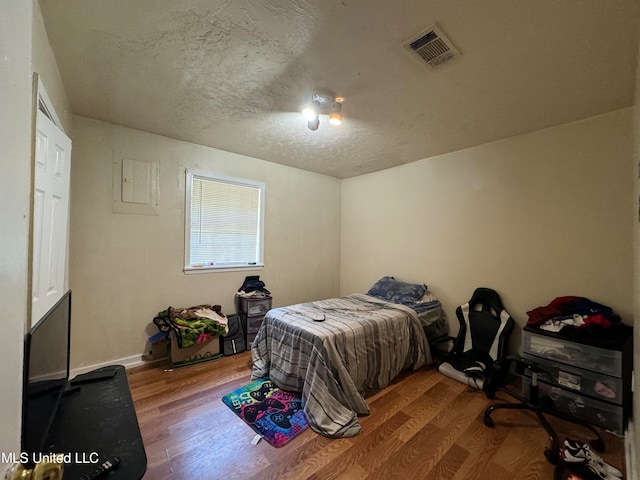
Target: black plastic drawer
{"points": [[587, 382], [595, 412]]}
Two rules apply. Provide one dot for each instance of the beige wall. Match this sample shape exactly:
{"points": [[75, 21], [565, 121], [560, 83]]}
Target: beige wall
{"points": [[534, 217], [125, 268], [44, 64], [15, 170]]}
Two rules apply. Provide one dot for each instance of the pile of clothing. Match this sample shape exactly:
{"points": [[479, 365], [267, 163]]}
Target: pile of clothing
{"points": [[253, 287], [193, 325], [579, 318]]}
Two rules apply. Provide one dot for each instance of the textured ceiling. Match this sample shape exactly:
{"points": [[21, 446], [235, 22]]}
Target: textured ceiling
{"points": [[232, 74]]}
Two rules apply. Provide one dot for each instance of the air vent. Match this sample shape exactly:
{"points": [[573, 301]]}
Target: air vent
{"points": [[432, 47]]}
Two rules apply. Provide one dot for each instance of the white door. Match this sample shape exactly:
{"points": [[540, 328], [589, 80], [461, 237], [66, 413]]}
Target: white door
{"points": [[50, 215]]}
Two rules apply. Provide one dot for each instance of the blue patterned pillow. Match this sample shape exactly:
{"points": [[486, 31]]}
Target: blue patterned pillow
{"points": [[395, 291]]}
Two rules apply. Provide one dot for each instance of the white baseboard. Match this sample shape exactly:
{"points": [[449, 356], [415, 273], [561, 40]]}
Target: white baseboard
{"points": [[127, 362], [630, 451]]}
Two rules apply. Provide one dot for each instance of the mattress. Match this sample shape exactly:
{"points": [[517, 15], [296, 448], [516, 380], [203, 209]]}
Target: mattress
{"points": [[434, 322], [336, 351]]}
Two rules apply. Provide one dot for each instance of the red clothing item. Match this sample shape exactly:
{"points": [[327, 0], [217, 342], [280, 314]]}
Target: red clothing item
{"points": [[539, 315], [596, 320]]}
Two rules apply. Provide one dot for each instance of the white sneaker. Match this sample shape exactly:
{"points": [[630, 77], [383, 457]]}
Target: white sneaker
{"points": [[576, 452]]}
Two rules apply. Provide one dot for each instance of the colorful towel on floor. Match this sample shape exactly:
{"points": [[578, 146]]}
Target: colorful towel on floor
{"points": [[275, 414]]}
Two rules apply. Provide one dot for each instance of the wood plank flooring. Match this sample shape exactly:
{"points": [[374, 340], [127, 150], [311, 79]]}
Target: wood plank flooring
{"points": [[423, 426]]}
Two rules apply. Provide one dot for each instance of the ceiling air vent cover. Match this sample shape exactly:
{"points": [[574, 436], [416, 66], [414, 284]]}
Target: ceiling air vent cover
{"points": [[432, 47]]}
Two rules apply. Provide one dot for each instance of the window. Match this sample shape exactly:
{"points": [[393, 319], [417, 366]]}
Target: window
{"points": [[224, 222]]}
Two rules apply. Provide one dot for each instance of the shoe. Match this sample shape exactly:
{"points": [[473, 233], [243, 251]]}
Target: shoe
{"points": [[585, 471], [576, 449], [579, 456]]}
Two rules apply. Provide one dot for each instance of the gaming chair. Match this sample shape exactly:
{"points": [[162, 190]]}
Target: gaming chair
{"points": [[480, 348]]}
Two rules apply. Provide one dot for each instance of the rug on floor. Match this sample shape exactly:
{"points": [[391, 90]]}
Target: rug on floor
{"points": [[274, 414]]}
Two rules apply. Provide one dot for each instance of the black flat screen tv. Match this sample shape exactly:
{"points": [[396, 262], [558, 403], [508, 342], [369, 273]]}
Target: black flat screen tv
{"points": [[46, 374]]}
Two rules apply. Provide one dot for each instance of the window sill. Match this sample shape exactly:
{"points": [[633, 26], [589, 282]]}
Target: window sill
{"points": [[213, 269]]}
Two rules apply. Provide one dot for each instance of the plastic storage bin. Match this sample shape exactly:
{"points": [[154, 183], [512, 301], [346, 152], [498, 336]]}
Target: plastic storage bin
{"points": [[254, 323], [252, 311], [587, 382], [250, 338], [575, 354], [602, 414], [255, 306]]}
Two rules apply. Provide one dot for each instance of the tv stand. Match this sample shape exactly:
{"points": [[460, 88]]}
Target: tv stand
{"points": [[97, 422], [94, 376], [69, 389]]}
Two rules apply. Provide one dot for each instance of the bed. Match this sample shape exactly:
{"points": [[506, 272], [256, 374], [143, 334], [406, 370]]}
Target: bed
{"points": [[337, 351]]}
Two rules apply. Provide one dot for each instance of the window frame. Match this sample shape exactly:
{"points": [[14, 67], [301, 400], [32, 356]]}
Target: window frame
{"points": [[190, 175]]}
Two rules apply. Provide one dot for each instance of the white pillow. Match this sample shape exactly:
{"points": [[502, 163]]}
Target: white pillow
{"points": [[427, 297]]}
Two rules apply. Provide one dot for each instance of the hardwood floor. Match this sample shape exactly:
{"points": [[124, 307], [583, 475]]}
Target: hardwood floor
{"points": [[423, 426]]}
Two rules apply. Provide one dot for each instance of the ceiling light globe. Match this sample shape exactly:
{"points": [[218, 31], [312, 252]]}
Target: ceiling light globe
{"points": [[309, 113], [313, 124], [311, 110], [335, 119]]}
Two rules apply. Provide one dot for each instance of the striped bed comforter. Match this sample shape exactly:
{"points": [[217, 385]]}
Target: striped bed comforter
{"points": [[359, 347]]}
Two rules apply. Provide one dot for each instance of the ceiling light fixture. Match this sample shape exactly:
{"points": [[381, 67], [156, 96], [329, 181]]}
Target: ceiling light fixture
{"points": [[311, 110], [322, 104], [335, 117], [313, 124]]}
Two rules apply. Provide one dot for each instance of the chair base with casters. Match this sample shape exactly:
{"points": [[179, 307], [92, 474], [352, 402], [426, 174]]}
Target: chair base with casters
{"points": [[540, 408]]}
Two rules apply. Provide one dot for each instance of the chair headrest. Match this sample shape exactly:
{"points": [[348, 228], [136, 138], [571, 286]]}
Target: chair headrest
{"points": [[488, 297]]}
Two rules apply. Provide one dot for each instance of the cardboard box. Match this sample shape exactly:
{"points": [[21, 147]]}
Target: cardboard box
{"points": [[205, 352], [156, 347], [156, 351]]}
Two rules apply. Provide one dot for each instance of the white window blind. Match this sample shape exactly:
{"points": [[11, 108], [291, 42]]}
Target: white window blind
{"points": [[224, 222]]}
